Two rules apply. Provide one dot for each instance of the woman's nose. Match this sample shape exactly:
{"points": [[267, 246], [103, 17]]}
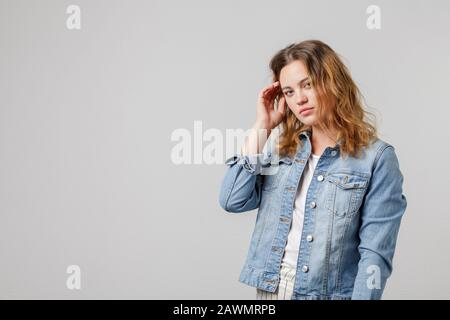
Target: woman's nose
{"points": [[301, 98]]}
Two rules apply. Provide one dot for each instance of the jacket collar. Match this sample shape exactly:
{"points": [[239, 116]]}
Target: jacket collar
{"points": [[308, 133]]}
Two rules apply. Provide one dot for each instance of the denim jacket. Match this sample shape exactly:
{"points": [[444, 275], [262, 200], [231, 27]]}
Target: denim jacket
{"points": [[352, 217]]}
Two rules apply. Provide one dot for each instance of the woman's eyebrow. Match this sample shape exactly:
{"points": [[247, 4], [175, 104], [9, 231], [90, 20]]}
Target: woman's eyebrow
{"points": [[300, 82]]}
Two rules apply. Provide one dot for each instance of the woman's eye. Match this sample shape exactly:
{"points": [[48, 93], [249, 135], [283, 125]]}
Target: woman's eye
{"points": [[287, 93], [308, 85]]}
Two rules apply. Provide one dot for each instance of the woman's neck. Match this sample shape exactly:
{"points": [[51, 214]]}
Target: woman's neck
{"points": [[320, 140]]}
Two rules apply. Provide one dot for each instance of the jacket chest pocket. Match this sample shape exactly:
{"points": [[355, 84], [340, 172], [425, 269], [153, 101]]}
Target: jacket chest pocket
{"points": [[276, 174], [345, 192]]}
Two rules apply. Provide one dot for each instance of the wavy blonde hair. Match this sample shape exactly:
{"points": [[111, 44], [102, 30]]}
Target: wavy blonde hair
{"points": [[340, 101]]}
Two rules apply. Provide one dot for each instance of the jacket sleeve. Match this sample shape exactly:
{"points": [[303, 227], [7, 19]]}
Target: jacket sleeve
{"points": [[240, 190], [381, 213]]}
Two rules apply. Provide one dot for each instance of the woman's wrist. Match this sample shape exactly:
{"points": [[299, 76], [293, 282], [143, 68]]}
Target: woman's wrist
{"points": [[256, 139]]}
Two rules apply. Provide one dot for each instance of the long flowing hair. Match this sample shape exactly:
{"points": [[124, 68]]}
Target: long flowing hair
{"points": [[339, 99]]}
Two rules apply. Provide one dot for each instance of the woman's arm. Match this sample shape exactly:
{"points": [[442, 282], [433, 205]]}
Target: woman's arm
{"points": [[381, 213], [241, 187]]}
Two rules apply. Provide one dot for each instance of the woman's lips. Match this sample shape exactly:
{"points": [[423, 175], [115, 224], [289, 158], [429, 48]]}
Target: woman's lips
{"points": [[306, 111]]}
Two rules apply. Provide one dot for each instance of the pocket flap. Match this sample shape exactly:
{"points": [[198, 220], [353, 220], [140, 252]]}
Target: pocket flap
{"points": [[348, 180]]}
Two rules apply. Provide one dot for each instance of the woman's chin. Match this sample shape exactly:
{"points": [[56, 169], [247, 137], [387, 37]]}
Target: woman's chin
{"points": [[309, 121]]}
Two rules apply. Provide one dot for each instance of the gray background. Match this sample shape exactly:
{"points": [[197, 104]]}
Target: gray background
{"points": [[86, 175]]}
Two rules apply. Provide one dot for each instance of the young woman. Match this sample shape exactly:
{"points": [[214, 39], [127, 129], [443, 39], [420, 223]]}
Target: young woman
{"points": [[329, 215]]}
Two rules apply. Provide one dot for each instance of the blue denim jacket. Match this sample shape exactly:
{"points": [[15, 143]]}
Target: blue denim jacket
{"points": [[352, 217]]}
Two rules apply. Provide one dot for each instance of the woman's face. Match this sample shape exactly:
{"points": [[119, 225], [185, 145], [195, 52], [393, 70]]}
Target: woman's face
{"points": [[298, 91]]}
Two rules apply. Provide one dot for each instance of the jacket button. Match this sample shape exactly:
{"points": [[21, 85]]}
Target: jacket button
{"points": [[309, 238], [277, 249], [284, 219], [320, 178], [313, 204], [305, 269], [333, 153]]}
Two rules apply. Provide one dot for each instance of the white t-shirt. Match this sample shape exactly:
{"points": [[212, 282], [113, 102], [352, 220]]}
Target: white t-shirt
{"points": [[295, 232]]}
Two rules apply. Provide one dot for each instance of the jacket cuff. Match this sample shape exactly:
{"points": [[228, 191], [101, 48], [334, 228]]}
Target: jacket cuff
{"points": [[251, 163]]}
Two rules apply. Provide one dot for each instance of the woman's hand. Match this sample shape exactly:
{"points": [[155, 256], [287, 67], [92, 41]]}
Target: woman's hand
{"points": [[267, 116]]}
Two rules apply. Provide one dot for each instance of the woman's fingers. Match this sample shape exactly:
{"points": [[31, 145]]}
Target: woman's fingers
{"points": [[268, 95], [270, 88], [272, 93]]}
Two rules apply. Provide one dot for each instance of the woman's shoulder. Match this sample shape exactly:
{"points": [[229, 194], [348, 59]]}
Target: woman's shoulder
{"points": [[378, 145], [382, 152]]}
